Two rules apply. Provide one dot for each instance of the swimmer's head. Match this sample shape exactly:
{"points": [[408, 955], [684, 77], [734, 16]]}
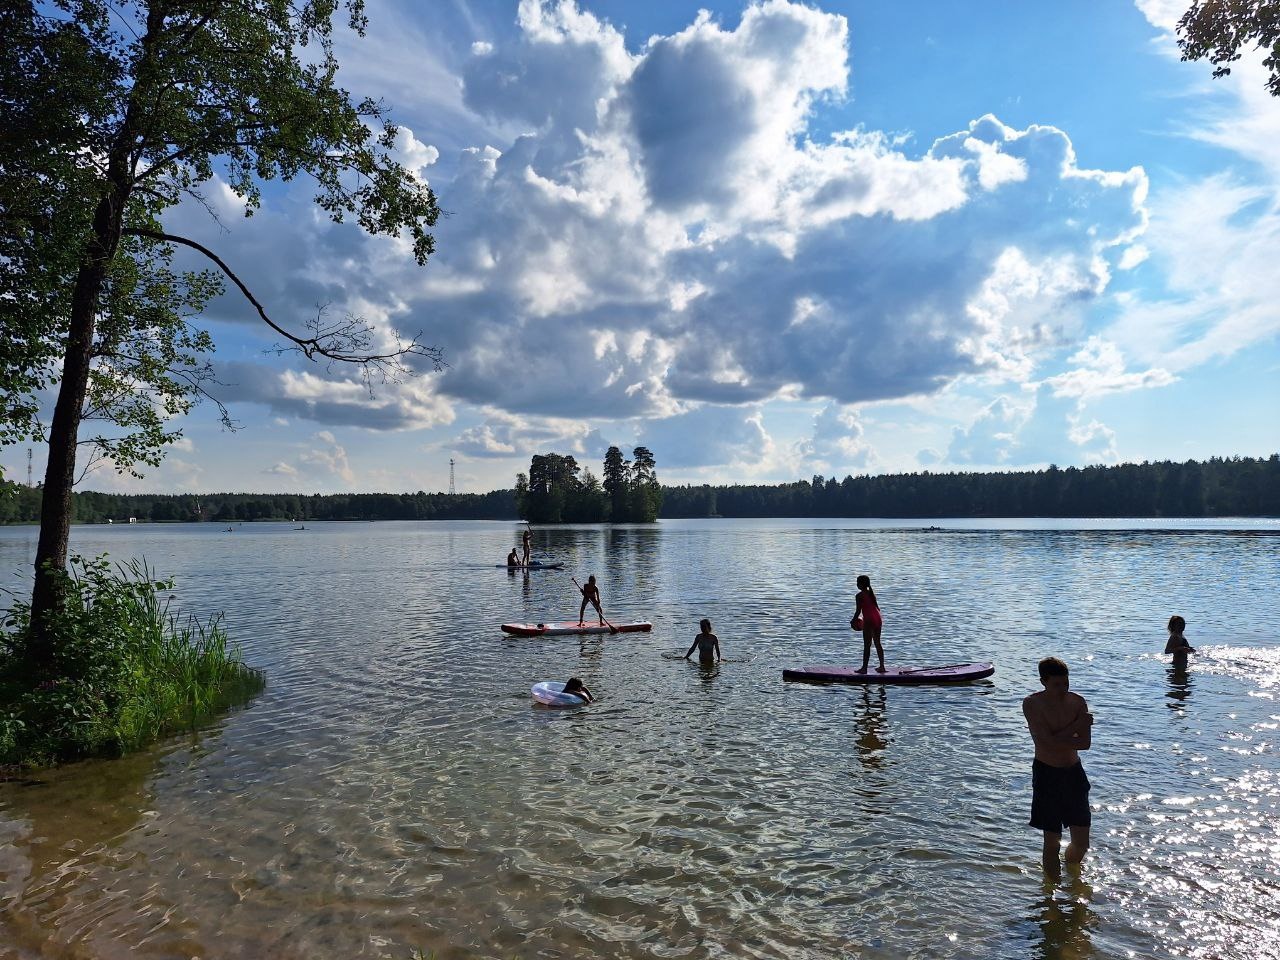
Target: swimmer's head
{"points": [[705, 624], [864, 582], [1177, 624]]}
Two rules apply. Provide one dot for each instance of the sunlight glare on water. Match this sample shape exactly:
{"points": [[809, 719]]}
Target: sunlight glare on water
{"points": [[396, 789]]}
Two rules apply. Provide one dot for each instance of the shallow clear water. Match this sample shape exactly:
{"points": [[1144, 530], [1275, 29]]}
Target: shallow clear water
{"points": [[395, 789]]}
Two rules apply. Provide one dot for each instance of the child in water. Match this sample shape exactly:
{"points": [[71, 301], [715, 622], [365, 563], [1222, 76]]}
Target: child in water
{"points": [[578, 688], [1177, 644], [706, 643], [866, 617]]}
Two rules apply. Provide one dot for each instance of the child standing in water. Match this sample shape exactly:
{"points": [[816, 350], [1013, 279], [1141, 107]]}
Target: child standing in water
{"points": [[1177, 644], [706, 643], [866, 617]]}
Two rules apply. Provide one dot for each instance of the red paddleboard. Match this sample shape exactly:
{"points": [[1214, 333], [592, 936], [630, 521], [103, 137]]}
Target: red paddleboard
{"points": [[952, 673], [563, 628]]}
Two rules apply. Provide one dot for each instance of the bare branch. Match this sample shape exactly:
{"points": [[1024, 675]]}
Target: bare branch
{"points": [[346, 342], [92, 462], [195, 377], [195, 194]]}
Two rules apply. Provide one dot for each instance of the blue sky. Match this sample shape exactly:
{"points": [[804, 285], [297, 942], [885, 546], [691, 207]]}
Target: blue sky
{"points": [[772, 240]]}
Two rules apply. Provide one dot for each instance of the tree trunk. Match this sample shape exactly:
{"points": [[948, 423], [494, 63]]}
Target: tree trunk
{"points": [[99, 251], [59, 476]]}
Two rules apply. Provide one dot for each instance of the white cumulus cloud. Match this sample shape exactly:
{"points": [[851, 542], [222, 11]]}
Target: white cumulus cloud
{"points": [[661, 232]]}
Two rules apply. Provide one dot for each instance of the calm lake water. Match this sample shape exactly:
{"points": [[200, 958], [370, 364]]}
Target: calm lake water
{"points": [[395, 789]]}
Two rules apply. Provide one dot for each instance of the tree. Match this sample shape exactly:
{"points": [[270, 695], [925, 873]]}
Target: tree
{"points": [[1221, 29], [617, 482], [646, 492], [115, 112], [522, 496], [586, 504], [553, 479]]}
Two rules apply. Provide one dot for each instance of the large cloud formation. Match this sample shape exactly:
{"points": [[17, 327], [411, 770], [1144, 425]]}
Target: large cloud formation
{"points": [[667, 233], [660, 231]]}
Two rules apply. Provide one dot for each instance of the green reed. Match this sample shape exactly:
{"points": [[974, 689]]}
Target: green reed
{"points": [[125, 670]]}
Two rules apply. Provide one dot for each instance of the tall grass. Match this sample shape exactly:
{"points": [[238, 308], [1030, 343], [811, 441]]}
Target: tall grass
{"points": [[126, 670]]}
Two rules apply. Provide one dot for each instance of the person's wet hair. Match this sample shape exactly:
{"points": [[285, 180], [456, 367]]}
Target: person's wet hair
{"points": [[1053, 667], [705, 624], [1177, 623]]}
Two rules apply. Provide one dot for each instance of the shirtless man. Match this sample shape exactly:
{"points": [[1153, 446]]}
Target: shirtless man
{"points": [[590, 594], [1060, 724]]}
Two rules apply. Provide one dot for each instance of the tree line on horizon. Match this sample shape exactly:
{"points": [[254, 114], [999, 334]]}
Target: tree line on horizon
{"points": [[1218, 487], [21, 504]]}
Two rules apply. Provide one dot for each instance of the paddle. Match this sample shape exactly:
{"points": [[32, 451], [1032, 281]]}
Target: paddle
{"points": [[922, 669], [612, 628]]}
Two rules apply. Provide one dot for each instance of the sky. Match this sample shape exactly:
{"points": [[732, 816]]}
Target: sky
{"points": [[767, 241]]}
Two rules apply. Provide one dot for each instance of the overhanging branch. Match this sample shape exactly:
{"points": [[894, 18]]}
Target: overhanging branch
{"points": [[341, 344]]}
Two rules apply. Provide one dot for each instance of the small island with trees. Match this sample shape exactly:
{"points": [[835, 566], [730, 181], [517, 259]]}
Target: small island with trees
{"points": [[557, 490]]}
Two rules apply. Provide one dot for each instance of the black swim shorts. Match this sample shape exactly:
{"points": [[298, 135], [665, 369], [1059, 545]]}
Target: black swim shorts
{"points": [[1059, 797]]}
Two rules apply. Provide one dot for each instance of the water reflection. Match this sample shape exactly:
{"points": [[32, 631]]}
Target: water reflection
{"points": [[526, 583], [1179, 688], [870, 725], [1065, 919]]}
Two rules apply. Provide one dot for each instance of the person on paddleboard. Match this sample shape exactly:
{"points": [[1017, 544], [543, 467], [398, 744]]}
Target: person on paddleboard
{"points": [[512, 559], [1178, 644], [866, 617], [579, 689], [1061, 726], [526, 541], [590, 594], [706, 643]]}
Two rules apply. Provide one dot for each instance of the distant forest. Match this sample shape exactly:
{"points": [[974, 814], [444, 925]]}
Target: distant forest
{"points": [[22, 505], [1219, 487]]}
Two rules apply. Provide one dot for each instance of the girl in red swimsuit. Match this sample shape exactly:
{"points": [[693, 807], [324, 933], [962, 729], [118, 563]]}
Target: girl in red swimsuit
{"points": [[866, 617]]}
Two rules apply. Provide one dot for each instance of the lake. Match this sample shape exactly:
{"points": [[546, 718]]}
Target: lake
{"points": [[395, 789]]}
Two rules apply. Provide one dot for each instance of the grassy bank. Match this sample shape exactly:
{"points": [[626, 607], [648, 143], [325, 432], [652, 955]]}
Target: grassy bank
{"points": [[126, 670]]}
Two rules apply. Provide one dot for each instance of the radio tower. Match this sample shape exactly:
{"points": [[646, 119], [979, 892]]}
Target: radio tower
{"points": [[452, 489], [29, 483]]}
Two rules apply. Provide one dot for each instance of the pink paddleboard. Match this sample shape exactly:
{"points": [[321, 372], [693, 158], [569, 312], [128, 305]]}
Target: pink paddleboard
{"points": [[566, 627]]}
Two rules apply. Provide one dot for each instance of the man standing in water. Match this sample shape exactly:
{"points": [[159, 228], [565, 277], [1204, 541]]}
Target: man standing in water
{"points": [[1060, 724]]}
